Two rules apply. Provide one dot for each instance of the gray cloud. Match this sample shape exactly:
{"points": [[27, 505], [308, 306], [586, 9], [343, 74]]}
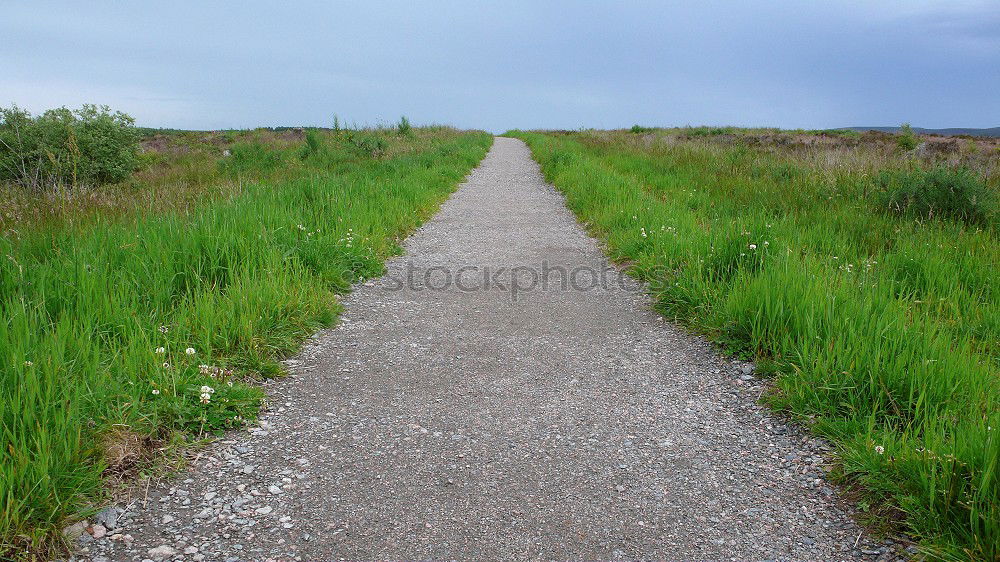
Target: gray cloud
{"points": [[525, 64]]}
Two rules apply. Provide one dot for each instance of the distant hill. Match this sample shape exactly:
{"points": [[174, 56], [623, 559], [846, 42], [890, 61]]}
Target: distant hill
{"points": [[993, 132]]}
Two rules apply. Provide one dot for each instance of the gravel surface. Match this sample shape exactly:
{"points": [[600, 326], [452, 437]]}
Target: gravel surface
{"points": [[472, 423]]}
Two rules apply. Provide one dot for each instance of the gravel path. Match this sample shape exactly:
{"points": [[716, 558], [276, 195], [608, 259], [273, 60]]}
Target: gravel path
{"points": [[471, 422]]}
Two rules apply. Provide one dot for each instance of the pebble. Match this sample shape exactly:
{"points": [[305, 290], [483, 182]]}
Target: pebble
{"points": [[162, 552], [98, 531], [108, 517]]}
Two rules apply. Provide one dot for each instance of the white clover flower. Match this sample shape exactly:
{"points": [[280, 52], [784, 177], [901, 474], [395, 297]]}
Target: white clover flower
{"points": [[301, 227], [204, 369], [207, 390], [28, 363], [190, 351], [166, 365], [879, 449], [164, 329], [156, 391], [753, 246], [160, 350], [206, 398]]}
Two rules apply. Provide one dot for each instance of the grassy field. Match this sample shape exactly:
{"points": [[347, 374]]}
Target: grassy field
{"points": [[860, 271], [138, 314]]}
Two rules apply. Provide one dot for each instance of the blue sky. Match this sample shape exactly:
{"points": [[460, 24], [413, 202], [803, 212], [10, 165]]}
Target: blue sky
{"points": [[535, 64]]}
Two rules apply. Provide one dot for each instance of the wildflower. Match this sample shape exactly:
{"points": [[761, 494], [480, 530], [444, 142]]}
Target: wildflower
{"points": [[160, 350], [643, 230], [753, 246], [28, 363], [164, 329], [766, 243], [190, 351], [166, 365], [156, 391], [206, 398], [204, 369], [230, 383], [879, 449], [207, 390], [301, 227]]}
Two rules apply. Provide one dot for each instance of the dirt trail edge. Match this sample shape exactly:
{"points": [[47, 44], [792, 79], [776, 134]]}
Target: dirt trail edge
{"points": [[501, 393]]}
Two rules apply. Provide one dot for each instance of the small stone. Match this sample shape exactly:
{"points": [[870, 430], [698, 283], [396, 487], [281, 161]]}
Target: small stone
{"points": [[191, 550], [210, 496], [108, 517], [167, 519], [74, 531], [98, 531], [264, 510], [162, 552], [274, 489]]}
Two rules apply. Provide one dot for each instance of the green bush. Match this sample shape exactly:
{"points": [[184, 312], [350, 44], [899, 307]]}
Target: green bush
{"points": [[91, 145], [906, 139], [954, 193], [251, 158], [312, 145], [368, 144], [638, 129], [404, 126]]}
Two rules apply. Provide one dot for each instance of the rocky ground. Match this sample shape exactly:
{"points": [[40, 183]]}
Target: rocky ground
{"points": [[469, 420]]}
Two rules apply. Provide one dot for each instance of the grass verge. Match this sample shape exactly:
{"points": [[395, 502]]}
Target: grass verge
{"points": [[882, 328], [132, 327]]}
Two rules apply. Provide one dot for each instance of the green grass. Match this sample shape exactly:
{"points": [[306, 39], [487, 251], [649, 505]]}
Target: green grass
{"points": [[240, 279], [882, 331]]}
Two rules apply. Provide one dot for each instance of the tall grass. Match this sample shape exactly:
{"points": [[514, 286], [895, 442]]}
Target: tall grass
{"points": [[110, 330], [882, 332]]}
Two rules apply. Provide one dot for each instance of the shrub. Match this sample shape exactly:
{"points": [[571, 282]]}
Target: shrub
{"points": [[907, 139], [404, 127], [91, 145], [312, 145], [954, 193], [251, 158], [640, 129], [370, 145]]}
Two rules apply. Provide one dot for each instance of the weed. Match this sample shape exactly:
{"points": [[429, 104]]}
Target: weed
{"points": [[940, 192], [368, 143]]}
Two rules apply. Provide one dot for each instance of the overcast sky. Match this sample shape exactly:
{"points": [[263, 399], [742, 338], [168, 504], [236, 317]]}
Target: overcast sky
{"points": [[533, 64]]}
